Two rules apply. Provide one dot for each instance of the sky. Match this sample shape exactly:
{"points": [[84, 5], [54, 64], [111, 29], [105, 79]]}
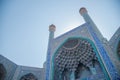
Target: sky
{"points": [[24, 25]]}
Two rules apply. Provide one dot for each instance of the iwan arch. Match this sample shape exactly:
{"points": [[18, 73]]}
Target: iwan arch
{"points": [[82, 54]]}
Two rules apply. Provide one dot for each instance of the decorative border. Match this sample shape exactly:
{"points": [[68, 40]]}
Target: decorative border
{"points": [[48, 65], [107, 62]]}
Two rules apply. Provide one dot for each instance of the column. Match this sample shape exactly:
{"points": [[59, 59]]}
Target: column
{"points": [[93, 70], [72, 75], [51, 37]]}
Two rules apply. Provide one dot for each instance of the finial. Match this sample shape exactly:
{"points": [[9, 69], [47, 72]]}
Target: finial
{"points": [[82, 10], [52, 27]]}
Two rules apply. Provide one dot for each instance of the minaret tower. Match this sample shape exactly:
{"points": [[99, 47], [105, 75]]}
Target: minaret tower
{"points": [[88, 20], [109, 69], [52, 29]]}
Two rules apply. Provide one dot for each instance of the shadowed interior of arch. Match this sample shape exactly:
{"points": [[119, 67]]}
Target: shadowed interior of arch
{"points": [[28, 76]]}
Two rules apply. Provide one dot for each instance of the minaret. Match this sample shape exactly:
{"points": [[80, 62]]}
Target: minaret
{"points": [[88, 20], [51, 37], [109, 69], [51, 30]]}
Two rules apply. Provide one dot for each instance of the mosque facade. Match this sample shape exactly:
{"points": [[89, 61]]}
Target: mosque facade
{"points": [[79, 54]]}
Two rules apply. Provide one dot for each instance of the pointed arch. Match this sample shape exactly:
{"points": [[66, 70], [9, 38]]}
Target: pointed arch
{"points": [[2, 72], [28, 76], [69, 45]]}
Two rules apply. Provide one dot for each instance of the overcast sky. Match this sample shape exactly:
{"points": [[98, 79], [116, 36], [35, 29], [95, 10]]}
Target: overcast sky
{"points": [[24, 24]]}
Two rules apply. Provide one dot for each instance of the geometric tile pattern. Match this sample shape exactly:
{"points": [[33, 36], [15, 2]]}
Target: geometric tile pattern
{"points": [[73, 52]]}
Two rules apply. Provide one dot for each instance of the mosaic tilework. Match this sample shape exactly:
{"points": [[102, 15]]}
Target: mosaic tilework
{"points": [[110, 67]]}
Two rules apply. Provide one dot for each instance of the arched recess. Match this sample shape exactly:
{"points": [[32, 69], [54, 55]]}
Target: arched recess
{"points": [[29, 76], [77, 58], [2, 72]]}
